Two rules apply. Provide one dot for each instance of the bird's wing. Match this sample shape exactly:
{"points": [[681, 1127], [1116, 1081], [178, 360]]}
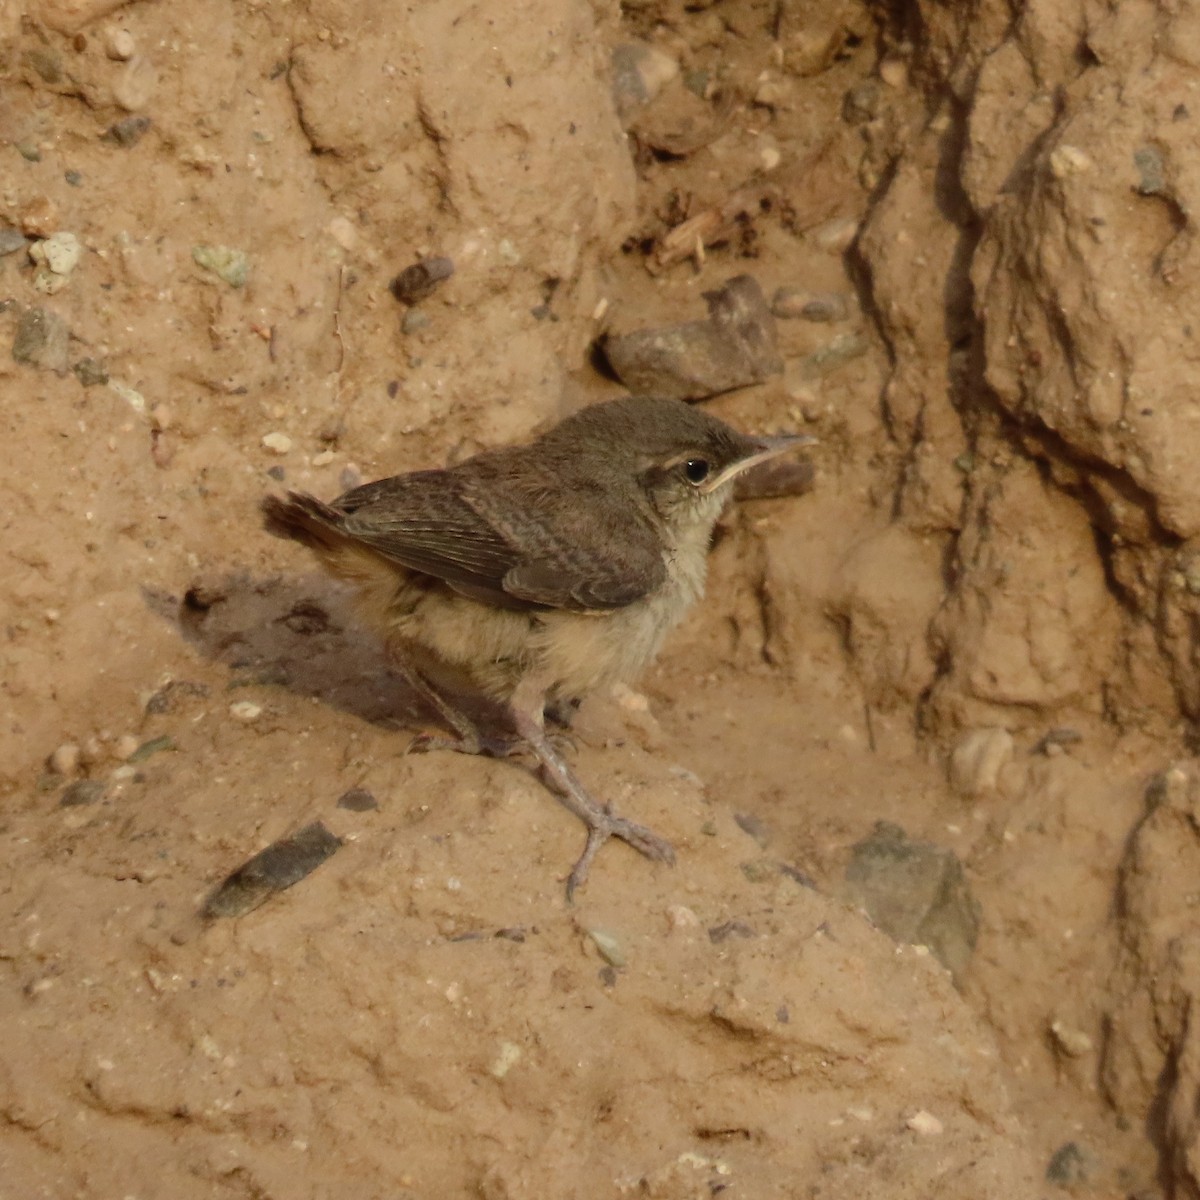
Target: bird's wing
{"points": [[505, 547]]}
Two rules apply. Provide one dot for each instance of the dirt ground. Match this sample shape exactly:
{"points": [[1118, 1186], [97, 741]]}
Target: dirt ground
{"points": [[979, 625]]}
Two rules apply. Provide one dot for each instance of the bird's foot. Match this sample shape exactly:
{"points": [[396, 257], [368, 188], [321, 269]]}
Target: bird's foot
{"points": [[491, 745], [602, 824]]}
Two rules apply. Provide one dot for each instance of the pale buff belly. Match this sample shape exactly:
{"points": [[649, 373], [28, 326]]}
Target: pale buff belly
{"points": [[465, 643]]}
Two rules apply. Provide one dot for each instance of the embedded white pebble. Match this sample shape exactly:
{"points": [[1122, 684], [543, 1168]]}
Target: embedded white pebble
{"points": [[924, 1123], [120, 46], [124, 746], [60, 252], [679, 916], [245, 710], [277, 443], [65, 759]]}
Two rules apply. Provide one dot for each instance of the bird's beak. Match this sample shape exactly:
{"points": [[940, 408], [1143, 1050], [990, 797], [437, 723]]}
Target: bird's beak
{"points": [[765, 449]]}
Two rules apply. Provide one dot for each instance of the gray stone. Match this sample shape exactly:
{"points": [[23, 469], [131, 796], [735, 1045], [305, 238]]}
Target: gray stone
{"points": [[42, 340], [281, 865], [420, 280], [1070, 1165], [82, 792], [357, 800], [225, 262], [128, 131], [734, 348], [11, 240], [915, 892], [90, 372]]}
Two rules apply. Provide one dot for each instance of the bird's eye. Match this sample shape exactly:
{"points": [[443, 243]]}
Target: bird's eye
{"points": [[696, 469]]}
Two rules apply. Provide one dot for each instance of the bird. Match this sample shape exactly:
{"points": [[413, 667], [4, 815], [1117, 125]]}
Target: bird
{"points": [[532, 575]]}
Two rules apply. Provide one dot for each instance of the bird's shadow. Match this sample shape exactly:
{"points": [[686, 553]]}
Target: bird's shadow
{"points": [[300, 635]]}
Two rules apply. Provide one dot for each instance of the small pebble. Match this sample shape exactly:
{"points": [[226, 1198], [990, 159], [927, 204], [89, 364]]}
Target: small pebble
{"points": [[609, 947], [83, 791], [277, 443], [245, 710], [639, 73], [342, 230], [414, 321], [323, 459], [65, 759], [46, 62], [418, 281], [125, 747], [1071, 1164], [679, 916], [153, 746], [893, 72], [924, 1123], [167, 698], [357, 800], [119, 45], [74, 178], [128, 131], [42, 340], [11, 240], [1067, 160], [760, 871], [1152, 171], [92, 750], [771, 92], [226, 263], [730, 929], [136, 86], [162, 449], [1071, 1041], [836, 236], [754, 826], [507, 1058], [819, 307], [60, 252], [977, 760], [130, 395]]}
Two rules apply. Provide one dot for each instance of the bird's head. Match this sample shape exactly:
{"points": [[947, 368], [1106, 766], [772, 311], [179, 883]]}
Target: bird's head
{"points": [[682, 459]]}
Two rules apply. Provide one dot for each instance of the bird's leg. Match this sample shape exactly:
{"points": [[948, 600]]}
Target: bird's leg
{"points": [[528, 705], [468, 739]]}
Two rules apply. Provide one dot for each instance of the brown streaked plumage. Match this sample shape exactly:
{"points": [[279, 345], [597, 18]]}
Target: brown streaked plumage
{"points": [[535, 573]]}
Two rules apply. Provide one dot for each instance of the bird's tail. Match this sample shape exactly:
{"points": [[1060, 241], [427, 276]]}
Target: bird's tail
{"points": [[306, 520]]}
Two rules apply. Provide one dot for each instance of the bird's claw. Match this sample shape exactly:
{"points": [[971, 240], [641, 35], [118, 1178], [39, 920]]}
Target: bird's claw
{"points": [[603, 825]]}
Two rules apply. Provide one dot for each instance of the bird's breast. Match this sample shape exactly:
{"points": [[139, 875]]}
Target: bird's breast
{"points": [[581, 653]]}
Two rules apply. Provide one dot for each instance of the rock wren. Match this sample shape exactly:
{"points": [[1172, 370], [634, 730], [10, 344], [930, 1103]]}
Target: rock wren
{"points": [[533, 574]]}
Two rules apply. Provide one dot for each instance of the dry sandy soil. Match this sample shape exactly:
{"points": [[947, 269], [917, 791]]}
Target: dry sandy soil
{"points": [[981, 624]]}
